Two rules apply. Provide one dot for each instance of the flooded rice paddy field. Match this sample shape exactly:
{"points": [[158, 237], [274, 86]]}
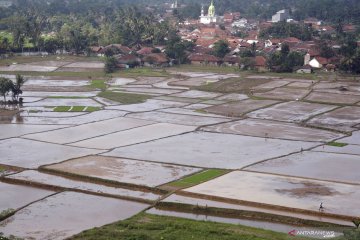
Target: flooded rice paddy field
{"points": [[65, 214], [288, 146], [288, 192]]}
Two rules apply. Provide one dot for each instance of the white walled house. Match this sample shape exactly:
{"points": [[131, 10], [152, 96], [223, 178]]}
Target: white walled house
{"points": [[315, 63]]}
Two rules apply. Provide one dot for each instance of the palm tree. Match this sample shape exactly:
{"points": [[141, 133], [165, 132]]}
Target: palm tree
{"points": [[6, 86], [16, 88]]}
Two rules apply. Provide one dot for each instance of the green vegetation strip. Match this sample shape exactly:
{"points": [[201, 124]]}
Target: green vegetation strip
{"points": [[98, 84], [125, 98], [138, 72], [62, 109], [337, 144], [76, 109], [92, 109], [198, 178], [152, 227]]}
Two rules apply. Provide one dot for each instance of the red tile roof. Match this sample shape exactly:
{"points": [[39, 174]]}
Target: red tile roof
{"points": [[231, 59], [156, 57], [260, 61], [198, 57], [145, 50]]}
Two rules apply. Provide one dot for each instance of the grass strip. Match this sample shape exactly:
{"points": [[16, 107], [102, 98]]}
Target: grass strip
{"points": [[337, 144], [77, 109], [198, 178], [125, 98], [153, 227], [62, 109], [92, 109], [98, 84]]}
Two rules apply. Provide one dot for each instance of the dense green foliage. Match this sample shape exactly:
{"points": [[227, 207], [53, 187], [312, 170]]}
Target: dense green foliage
{"points": [[327, 10], [285, 61], [177, 48], [221, 48], [110, 64], [7, 86], [37, 26], [284, 29]]}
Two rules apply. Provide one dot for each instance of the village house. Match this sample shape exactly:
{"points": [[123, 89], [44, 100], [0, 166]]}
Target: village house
{"points": [[145, 51], [128, 61], [313, 21], [260, 64], [318, 62], [281, 15], [231, 61], [116, 49], [156, 60], [241, 23], [204, 59]]}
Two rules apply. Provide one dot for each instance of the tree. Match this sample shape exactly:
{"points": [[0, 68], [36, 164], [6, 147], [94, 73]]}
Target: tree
{"points": [[325, 50], [348, 47], [191, 10], [283, 29], [246, 53], [176, 48], [16, 88], [110, 64], [221, 48], [5, 87], [247, 63], [285, 61], [351, 64], [285, 50], [4, 44], [50, 45], [293, 59]]}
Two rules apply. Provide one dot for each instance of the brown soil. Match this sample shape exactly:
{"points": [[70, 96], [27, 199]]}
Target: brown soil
{"points": [[8, 113], [309, 189]]}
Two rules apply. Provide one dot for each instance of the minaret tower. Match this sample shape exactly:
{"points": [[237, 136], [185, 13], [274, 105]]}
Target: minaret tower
{"points": [[211, 12], [202, 10]]}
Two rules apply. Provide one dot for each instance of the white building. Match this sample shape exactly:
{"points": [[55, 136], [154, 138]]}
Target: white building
{"points": [[315, 63], [211, 16], [241, 23], [281, 15], [174, 5]]}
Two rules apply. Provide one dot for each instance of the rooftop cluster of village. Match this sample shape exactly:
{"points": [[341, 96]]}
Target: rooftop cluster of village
{"points": [[142, 37], [232, 40]]}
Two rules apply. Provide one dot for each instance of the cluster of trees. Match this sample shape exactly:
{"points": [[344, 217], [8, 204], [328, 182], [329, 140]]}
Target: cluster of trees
{"points": [[7, 86], [284, 29], [178, 49], [327, 10], [351, 56], [221, 48], [77, 31], [284, 60]]}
